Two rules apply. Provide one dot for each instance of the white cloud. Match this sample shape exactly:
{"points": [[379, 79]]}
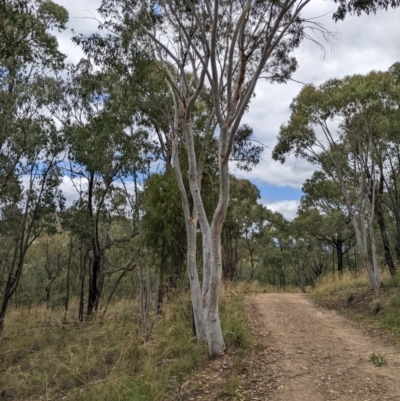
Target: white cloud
{"points": [[292, 173], [82, 19], [71, 187], [288, 208]]}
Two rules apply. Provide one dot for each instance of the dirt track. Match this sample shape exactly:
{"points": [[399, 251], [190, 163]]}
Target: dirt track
{"points": [[320, 355]]}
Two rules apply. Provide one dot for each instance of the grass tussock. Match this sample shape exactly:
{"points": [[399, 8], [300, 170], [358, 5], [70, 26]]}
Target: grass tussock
{"points": [[352, 293], [109, 359], [254, 287]]}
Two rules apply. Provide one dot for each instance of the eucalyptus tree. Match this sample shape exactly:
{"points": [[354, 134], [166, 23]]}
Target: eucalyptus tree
{"points": [[245, 232], [30, 145], [28, 54], [33, 207], [324, 214], [277, 255], [221, 45], [106, 150], [164, 230], [387, 155], [347, 152]]}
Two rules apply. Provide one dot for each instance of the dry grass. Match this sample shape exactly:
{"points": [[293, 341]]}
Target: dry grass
{"points": [[254, 287], [109, 359], [105, 360], [352, 294], [333, 285]]}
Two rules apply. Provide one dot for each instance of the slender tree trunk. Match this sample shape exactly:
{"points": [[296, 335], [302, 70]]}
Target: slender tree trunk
{"points": [[382, 224], [148, 290], [10, 288], [191, 224], [339, 254], [145, 293], [385, 241], [3, 314], [191, 228], [83, 276], [94, 288], [360, 225], [143, 315], [362, 246], [157, 294], [128, 268], [397, 246], [66, 304], [211, 313]]}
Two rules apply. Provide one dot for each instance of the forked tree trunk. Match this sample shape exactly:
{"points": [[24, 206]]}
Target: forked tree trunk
{"points": [[212, 257], [365, 206], [362, 245], [191, 224]]}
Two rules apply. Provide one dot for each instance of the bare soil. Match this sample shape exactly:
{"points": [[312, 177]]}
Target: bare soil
{"points": [[304, 353], [323, 355]]}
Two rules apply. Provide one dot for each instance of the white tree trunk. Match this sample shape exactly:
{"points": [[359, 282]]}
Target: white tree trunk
{"points": [[362, 246], [211, 313], [212, 262], [360, 225], [191, 228], [191, 232]]}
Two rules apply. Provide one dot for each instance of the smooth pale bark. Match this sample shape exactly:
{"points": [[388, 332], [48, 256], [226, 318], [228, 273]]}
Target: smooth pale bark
{"points": [[211, 312], [191, 232], [362, 246], [360, 226], [364, 201], [212, 264], [191, 239]]}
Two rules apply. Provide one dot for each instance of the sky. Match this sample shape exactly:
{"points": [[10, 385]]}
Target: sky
{"points": [[361, 44]]}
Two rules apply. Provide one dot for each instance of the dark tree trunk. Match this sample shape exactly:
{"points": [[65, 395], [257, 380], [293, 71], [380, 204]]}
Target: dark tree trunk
{"points": [[397, 246], [228, 259], [67, 289], [82, 294], [382, 228], [3, 313], [10, 288], [228, 269], [95, 285], [339, 253], [48, 293], [282, 280]]}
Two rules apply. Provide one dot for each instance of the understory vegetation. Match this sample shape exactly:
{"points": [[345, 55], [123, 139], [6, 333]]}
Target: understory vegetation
{"points": [[43, 356], [351, 294]]}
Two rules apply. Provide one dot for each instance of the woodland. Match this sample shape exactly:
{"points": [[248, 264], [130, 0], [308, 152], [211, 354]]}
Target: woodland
{"points": [[145, 127]]}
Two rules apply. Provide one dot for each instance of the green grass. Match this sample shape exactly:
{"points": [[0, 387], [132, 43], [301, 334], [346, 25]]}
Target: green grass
{"points": [[378, 360], [352, 294], [107, 360]]}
